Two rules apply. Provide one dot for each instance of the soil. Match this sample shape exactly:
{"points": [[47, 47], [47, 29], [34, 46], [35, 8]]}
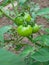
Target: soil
{"points": [[43, 3]]}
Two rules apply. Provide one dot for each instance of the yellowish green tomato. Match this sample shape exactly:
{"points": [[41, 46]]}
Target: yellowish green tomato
{"points": [[24, 31], [19, 20], [27, 17], [35, 28]]}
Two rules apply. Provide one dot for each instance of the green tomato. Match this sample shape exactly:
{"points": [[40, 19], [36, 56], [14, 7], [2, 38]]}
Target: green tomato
{"points": [[19, 20], [27, 17], [24, 31], [35, 28]]}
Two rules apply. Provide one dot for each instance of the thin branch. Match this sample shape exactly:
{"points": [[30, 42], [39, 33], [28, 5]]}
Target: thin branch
{"points": [[6, 14], [34, 41], [13, 6]]}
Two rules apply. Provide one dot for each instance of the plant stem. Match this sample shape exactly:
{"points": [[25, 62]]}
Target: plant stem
{"points": [[33, 41], [20, 38], [13, 7], [6, 15]]}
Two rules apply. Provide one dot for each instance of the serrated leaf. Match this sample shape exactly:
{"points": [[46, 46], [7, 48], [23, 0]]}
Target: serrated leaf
{"points": [[46, 16], [42, 55], [5, 2], [34, 15], [40, 63], [46, 30], [26, 51], [37, 63], [22, 1], [3, 30], [8, 58], [43, 11], [2, 38], [46, 63], [43, 39], [1, 14]]}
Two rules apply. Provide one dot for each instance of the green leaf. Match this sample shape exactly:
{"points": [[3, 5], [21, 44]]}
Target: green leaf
{"points": [[46, 63], [8, 58], [22, 1], [3, 30], [2, 38], [5, 2], [26, 51], [36, 63], [40, 63], [46, 30], [46, 17], [42, 55], [34, 15], [1, 14], [43, 39], [43, 11]]}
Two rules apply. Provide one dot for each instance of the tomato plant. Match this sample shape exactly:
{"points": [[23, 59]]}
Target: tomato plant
{"points": [[24, 15]]}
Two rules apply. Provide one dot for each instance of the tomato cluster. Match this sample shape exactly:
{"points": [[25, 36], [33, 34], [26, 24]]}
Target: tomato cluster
{"points": [[25, 30], [20, 19]]}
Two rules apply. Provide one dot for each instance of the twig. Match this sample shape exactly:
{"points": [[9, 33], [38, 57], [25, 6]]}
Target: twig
{"points": [[6, 14], [9, 6], [13, 6], [34, 41]]}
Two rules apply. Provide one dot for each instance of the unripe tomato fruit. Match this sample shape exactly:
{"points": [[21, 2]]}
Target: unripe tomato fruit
{"points": [[19, 20], [27, 17], [24, 31], [35, 28]]}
